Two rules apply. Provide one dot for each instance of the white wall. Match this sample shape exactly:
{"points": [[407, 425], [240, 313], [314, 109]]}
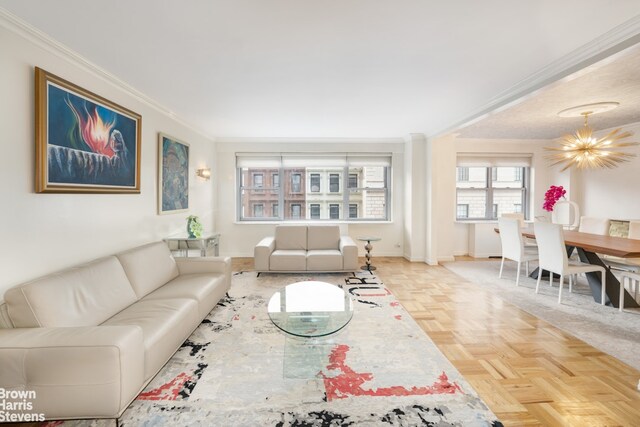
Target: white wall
{"points": [[451, 237], [239, 239], [41, 233], [612, 193]]}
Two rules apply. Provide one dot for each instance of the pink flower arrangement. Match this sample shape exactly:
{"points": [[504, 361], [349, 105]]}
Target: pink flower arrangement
{"points": [[551, 197]]}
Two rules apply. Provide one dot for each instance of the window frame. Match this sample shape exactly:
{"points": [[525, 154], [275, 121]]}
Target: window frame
{"points": [[380, 187], [313, 206], [315, 175], [329, 176], [489, 190]]}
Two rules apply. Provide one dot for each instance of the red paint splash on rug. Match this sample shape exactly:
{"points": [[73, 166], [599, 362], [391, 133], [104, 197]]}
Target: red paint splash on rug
{"points": [[168, 391], [350, 383]]}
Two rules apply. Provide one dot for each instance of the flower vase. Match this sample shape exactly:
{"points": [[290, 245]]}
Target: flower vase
{"points": [[567, 214], [189, 232]]}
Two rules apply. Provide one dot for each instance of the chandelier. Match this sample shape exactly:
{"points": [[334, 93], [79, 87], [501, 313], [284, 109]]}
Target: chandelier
{"points": [[585, 151]]}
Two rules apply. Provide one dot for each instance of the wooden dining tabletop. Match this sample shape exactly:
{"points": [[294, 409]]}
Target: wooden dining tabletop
{"points": [[608, 245]]}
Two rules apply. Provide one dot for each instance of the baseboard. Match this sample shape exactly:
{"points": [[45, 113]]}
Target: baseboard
{"points": [[408, 258], [450, 258]]}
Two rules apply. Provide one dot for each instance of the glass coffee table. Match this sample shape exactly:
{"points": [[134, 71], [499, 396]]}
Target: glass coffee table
{"points": [[310, 309]]}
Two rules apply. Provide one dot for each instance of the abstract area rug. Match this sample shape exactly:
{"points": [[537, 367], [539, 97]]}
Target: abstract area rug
{"points": [[238, 369]]}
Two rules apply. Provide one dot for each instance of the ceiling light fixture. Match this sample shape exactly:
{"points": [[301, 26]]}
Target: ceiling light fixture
{"points": [[583, 150]]}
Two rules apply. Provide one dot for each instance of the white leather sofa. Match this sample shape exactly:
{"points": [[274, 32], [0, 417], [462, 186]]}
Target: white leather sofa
{"points": [[300, 248], [88, 339]]}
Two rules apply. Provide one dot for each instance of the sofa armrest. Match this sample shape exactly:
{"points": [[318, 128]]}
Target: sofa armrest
{"points": [[75, 372], [262, 252], [349, 251], [206, 265]]}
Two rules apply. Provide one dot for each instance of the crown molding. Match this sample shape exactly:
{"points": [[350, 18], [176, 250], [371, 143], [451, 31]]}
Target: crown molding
{"points": [[43, 40], [605, 46]]}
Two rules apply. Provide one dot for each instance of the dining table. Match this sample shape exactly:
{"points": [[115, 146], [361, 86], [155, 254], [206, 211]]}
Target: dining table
{"points": [[590, 247]]}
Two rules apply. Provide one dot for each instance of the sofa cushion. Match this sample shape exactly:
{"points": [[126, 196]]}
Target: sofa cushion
{"points": [[165, 324], [85, 295], [292, 260], [323, 237], [206, 289], [324, 260], [148, 267], [291, 237]]}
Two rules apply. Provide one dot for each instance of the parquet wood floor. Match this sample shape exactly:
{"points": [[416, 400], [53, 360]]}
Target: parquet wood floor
{"points": [[529, 372]]}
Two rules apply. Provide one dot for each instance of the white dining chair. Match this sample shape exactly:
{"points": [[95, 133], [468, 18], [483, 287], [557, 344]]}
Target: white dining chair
{"points": [[594, 225], [528, 243], [553, 258], [634, 283], [626, 264], [513, 247]]}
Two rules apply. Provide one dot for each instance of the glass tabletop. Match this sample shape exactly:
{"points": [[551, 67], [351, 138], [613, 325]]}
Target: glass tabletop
{"points": [[310, 309]]}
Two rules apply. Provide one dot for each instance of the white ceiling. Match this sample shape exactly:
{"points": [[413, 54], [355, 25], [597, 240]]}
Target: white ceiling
{"points": [[331, 68]]}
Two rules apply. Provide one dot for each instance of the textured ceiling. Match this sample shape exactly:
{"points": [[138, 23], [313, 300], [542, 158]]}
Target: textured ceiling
{"points": [[535, 117], [331, 68]]}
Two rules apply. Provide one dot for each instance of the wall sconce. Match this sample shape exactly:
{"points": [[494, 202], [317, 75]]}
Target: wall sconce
{"points": [[204, 173]]}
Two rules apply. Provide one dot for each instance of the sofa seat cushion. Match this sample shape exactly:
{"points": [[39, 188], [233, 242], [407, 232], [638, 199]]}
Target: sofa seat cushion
{"points": [[85, 295], [165, 324], [288, 260], [148, 267], [206, 289], [324, 260]]}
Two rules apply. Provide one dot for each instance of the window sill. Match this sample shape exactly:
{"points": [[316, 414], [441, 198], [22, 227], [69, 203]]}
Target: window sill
{"points": [[320, 222]]}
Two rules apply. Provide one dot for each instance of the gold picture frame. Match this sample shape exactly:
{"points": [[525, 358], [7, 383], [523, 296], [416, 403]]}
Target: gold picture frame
{"points": [[84, 142]]}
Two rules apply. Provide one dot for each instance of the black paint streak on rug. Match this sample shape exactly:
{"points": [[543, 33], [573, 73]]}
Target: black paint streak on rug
{"points": [[316, 419], [190, 384], [195, 348]]}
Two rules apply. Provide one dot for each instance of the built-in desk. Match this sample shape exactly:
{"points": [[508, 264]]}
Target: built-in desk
{"points": [[183, 243]]}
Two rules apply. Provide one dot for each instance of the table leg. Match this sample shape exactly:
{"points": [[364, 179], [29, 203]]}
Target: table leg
{"points": [[367, 255], [613, 285]]}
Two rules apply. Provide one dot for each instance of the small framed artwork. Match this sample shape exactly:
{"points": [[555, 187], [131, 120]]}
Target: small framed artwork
{"points": [[173, 175], [84, 142]]}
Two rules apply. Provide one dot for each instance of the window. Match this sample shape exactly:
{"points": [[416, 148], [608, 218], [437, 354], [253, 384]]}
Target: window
{"points": [[353, 210], [334, 183], [334, 211], [353, 180], [314, 211], [296, 183], [487, 192], [296, 211], [258, 210], [288, 184], [463, 174], [258, 181], [314, 182], [517, 172]]}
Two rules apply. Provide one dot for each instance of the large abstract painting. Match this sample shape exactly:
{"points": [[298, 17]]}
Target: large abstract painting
{"points": [[173, 175], [84, 143]]}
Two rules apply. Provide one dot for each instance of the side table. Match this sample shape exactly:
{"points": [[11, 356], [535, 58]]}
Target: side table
{"points": [[368, 248], [204, 243]]}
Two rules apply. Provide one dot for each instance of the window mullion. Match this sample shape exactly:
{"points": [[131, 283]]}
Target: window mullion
{"points": [[488, 211], [282, 182], [345, 192]]}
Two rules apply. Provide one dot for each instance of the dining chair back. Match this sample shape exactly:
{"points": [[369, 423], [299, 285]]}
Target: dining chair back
{"points": [[634, 230], [552, 255], [518, 216], [513, 246], [553, 258], [594, 225]]}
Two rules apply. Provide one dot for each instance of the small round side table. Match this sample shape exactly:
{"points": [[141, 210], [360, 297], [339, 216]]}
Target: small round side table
{"points": [[368, 248]]}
